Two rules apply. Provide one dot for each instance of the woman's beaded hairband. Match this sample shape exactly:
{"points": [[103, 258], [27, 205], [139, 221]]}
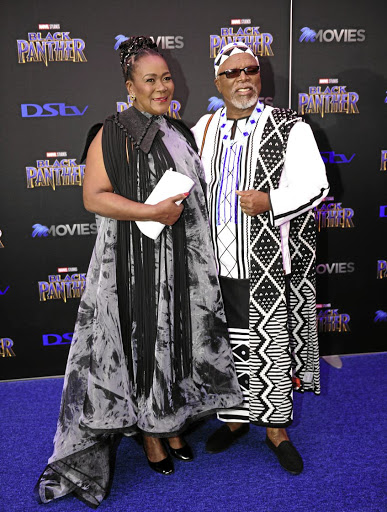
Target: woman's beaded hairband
{"points": [[134, 45]]}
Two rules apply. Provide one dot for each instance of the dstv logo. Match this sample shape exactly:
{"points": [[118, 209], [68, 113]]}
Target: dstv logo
{"points": [[3, 292], [330, 157], [50, 340], [50, 110], [343, 35], [40, 231]]}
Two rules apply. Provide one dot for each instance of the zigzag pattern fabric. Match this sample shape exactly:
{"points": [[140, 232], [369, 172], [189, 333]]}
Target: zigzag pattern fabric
{"points": [[275, 331], [302, 314], [239, 341]]}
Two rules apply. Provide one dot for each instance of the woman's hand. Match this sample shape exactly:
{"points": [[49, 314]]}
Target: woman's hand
{"points": [[98, 196], [168, 212]]}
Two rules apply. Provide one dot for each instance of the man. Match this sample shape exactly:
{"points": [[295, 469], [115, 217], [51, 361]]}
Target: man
{"points": [[264, 174]]}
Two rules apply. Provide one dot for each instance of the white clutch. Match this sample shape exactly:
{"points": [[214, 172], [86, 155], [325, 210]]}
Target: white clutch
{"points": [[171, 184]]}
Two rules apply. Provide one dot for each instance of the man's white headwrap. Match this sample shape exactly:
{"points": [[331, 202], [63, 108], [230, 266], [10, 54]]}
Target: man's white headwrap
{"points": [[229, 50]]}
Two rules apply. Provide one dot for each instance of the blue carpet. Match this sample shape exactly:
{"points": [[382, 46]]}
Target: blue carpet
{"points": [[341, 436]]}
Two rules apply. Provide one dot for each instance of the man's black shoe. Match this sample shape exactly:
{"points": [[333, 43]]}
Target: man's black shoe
{"points": [[223, 438], [288, 456]]}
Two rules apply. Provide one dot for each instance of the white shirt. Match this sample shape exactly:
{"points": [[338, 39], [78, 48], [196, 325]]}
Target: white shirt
{"points": [[302, 186]]}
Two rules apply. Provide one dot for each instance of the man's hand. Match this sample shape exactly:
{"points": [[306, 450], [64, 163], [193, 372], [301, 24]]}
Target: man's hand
{"points": [[253, 202]]}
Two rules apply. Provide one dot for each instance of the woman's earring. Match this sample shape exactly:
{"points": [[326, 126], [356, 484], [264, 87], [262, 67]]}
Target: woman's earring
{"points": [[132, 97]]}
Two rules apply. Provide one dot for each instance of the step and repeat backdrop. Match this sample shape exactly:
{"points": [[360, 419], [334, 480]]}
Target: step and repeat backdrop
{"points": [[61, 75], [339, 84]]}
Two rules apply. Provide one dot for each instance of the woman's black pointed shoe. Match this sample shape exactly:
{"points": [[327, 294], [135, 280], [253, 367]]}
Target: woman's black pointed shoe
{"points": [[184, 453], [165, 466]]}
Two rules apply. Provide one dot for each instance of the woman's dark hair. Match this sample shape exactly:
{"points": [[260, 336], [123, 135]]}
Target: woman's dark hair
{"points": [[132, 50]]}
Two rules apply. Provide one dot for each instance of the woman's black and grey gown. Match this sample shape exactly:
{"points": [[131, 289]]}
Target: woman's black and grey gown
{"points": [[104, 394]]}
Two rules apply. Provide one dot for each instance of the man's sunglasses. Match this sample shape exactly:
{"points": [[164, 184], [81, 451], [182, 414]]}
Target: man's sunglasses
{"points": [[233, 73]]}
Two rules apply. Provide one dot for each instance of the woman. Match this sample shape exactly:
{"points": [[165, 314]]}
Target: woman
{"points": [[150, 350]]}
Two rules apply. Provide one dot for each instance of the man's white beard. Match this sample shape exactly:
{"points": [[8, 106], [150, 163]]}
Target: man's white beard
{"points": [[245, 103]]}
